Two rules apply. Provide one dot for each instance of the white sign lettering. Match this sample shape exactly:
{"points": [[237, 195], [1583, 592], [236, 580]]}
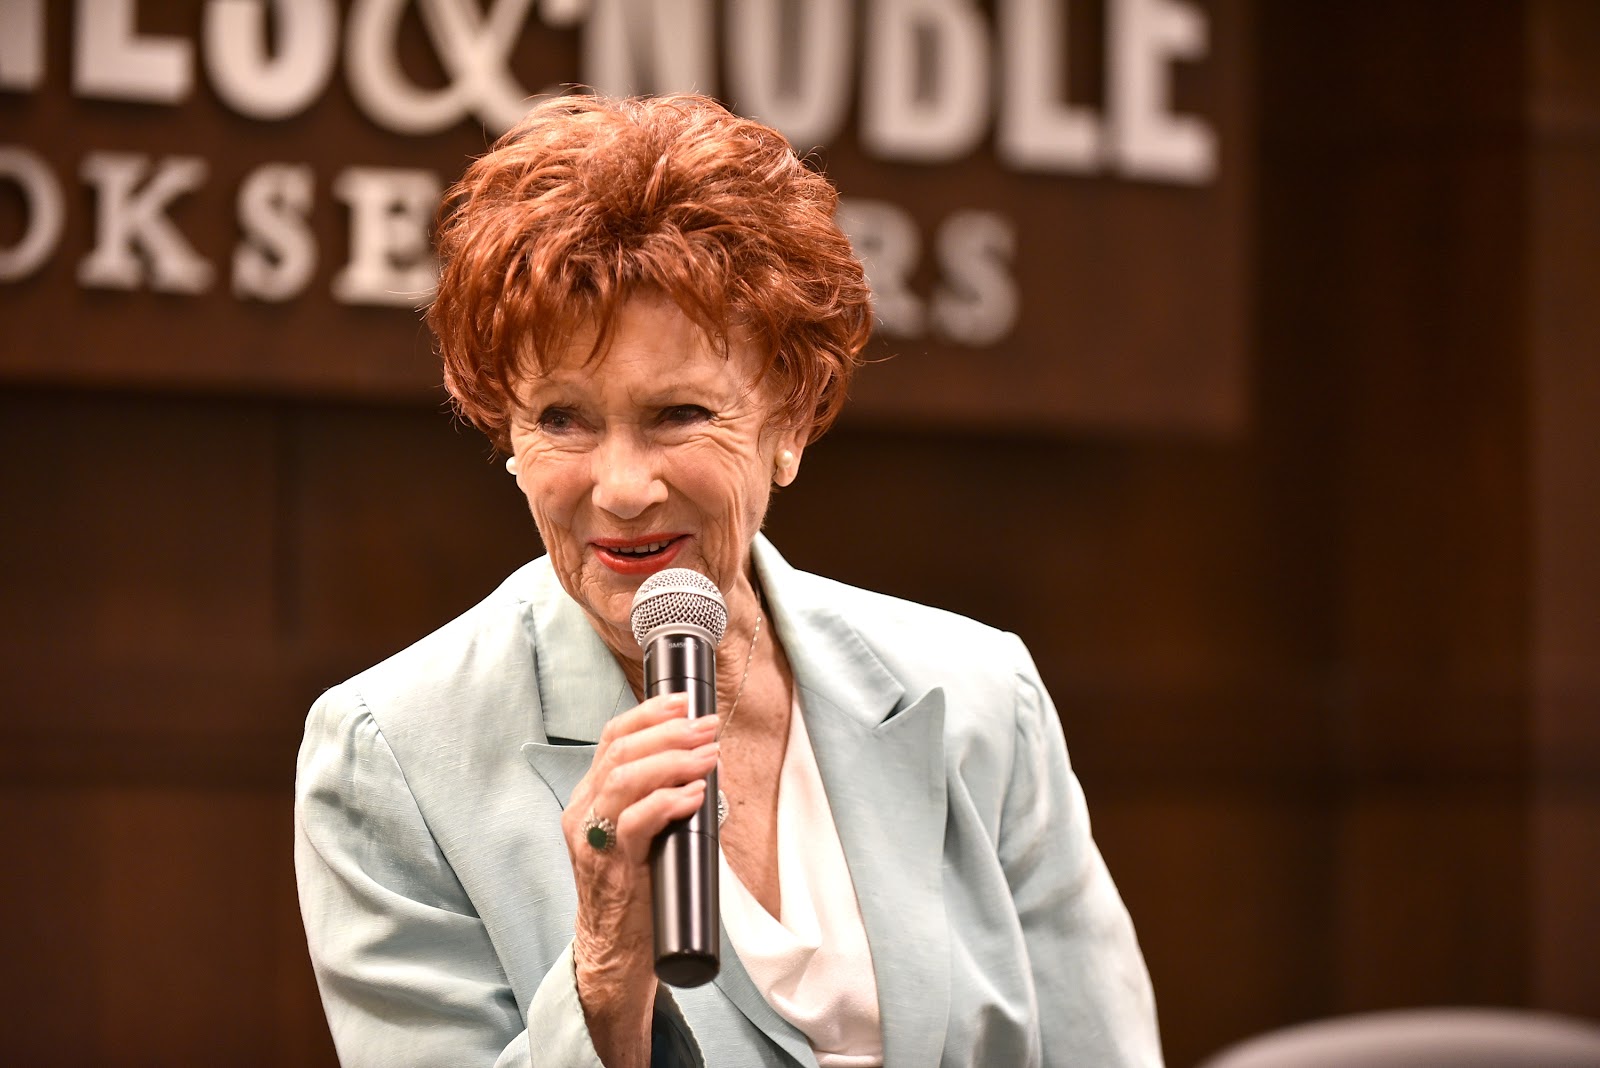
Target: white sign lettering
{"points": [[1039, 130], [390, 261], [928, 77], [796, 81], [256, 83], [114, 63], [473, 47], [1146, 36], [926, 84], [976, 300], [131, 221], [925, 69], [278, 255], [43, 211], [649, 46], [885, 237], [21, 43]]}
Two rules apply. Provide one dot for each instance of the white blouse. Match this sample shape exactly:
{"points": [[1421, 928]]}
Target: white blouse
{"points": [[812, 964]]}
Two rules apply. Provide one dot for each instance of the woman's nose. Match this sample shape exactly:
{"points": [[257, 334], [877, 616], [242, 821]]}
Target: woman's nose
{"points": [[626, 481]]}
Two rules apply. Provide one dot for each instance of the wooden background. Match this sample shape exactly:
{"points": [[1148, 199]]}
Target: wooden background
{"points": [[1332, 682]]}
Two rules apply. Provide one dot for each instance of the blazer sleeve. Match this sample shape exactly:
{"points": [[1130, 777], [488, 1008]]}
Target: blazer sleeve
{"points": [[1095, 1004], [404, 964]]}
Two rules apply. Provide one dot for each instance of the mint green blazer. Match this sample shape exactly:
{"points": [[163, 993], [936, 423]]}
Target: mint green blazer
{"points": [[438, 896]]}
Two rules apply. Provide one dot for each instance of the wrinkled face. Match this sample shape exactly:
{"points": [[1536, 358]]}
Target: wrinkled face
{"points": [[659, 454]]}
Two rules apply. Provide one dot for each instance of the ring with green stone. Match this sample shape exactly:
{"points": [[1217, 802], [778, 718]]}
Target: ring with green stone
{"points": [[599, 832]]}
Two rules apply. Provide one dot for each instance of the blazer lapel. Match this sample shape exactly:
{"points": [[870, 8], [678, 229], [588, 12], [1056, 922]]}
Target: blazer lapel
{"points": [[886, 787], [560, 766], [882, 763], [580, 687], [580, 683]]}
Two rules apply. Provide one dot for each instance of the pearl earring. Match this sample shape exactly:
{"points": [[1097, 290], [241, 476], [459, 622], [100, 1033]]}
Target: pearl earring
{"points": [[512, 467], [782, 463]]}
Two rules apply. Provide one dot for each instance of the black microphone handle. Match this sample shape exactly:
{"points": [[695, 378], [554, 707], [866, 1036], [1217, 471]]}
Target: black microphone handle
{"points": [[683, 858]]}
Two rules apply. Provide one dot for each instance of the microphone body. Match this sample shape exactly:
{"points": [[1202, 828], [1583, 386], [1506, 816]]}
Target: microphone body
{"points": [[679, 619], [683, 859]]}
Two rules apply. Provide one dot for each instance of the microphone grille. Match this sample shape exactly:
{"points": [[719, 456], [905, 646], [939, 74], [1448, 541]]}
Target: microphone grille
{"points": [[678, 595]]}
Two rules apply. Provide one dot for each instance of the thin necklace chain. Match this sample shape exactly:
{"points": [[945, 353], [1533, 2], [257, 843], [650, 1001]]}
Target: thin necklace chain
{"points": [[733, 710]]}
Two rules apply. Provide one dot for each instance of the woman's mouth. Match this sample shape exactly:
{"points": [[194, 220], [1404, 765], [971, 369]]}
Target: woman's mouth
{"points": [[642, 550], [638, 556]]}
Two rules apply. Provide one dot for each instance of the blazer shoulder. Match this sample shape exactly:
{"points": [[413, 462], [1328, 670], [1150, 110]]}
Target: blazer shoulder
{"points": [[907, 633], [480, 660]]}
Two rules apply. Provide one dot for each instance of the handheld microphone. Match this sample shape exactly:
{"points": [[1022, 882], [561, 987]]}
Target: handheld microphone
{"points": [[679, 618]]}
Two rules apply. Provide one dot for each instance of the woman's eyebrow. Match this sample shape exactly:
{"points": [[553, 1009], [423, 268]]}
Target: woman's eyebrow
{"points": [[679, 391]]}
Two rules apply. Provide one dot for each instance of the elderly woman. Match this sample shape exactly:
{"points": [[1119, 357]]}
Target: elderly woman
{"points": [[648, 305]]}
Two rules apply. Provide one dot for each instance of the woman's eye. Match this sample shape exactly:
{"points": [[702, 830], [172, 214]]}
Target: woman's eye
{"points": [[556, 420], [684, 414]]}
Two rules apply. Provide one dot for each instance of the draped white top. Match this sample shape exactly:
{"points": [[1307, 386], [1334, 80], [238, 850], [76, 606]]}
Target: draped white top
{"points": [[812, 963]]}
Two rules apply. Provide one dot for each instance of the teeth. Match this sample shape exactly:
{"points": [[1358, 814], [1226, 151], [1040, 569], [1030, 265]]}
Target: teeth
{"points": [[642, 550]]}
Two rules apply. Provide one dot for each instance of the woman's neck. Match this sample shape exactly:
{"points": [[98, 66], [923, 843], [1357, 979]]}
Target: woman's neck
{"points": [[739, 656]]}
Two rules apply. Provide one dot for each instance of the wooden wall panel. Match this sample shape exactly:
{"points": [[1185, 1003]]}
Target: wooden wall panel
{"points": [[51, 946], [1565, 872], [1435, 488], [155, 926], [157, 532], [1564, 261], [172, 622], [396, 520], [1432, 897], [1232, 908], [189, 902], [1397, 215], [1144, 577]]}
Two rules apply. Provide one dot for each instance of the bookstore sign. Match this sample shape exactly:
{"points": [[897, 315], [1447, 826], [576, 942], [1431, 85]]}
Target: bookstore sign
{"points": [[1049, 195]]}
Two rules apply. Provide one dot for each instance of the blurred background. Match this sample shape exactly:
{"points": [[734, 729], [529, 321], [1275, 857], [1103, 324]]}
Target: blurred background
{"points": [[1240, 355]]}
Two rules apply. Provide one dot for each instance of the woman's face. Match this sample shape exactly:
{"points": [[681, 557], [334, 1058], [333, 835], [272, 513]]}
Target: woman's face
{"points": [[659, 454]]}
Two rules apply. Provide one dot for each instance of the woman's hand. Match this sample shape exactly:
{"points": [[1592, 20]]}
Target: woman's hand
{"points": [[648, 770]]}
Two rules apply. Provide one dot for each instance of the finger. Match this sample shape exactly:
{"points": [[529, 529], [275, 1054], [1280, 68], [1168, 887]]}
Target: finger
{"points": [[650, 711], [636, 825], [672, 733], [642, 821], [653, 726], [608, 787], [653, 734], [627, 784]]}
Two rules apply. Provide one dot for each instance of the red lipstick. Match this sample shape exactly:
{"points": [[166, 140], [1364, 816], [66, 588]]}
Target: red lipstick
{"points": [[638, 556]]}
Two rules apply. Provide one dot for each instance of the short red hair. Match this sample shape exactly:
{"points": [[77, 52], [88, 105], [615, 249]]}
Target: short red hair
{"points": [[589, 201]]}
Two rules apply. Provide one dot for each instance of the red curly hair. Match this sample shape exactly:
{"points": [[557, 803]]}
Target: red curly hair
{"points": [[590, 200]]}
